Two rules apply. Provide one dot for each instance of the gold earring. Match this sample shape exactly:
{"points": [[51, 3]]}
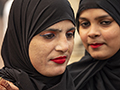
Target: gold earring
{"points": [[68, 50]]}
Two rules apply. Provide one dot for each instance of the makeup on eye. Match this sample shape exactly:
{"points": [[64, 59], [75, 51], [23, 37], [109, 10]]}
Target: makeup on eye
{"points": [[84, 24], [70, 33], [106, 22], [105, 19], [50, 33]]}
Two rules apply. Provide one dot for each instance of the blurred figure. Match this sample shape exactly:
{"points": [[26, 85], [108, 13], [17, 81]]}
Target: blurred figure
{"points": [[2, 2], [6, 10]]}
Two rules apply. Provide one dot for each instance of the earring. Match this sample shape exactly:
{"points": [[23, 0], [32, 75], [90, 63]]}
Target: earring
{"points": [[68, 50]]}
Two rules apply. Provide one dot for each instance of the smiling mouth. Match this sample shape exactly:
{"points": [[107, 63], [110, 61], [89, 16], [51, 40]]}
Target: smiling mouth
{"points": [[59, 60], [96, 45]]}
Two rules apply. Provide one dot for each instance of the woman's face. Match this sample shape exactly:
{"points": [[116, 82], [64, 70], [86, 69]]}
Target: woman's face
{"points": [[100, 33], [50, 50]]}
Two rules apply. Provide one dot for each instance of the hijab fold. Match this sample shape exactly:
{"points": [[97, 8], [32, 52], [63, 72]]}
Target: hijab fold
{"points": [[28, 18], [92, 74]]}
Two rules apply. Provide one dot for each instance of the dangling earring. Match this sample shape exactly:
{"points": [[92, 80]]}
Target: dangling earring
{"points": [[68, 50]]}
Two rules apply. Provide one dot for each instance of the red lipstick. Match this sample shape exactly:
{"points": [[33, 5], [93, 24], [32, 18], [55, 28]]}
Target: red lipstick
{"points": [[96, 45], [59, 60]]}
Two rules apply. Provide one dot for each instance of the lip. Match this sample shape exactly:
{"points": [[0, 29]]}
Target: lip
{"points": [[59, 60], [96, 45]]}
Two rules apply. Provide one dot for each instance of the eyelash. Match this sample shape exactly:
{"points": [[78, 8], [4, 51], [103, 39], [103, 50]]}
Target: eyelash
{"points": [[69, 34], [52, 35], [48, 35], [106, 22], [86, 24]]}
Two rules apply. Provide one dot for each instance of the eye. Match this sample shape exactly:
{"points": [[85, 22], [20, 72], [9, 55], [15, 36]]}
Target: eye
{"points": [[70, 34], [84, 24], [105, 22], [48, 35]]}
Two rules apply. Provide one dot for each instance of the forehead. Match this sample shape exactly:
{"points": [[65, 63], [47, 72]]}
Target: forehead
{"points": [[93, 12], [63, 23], [61, 26]]}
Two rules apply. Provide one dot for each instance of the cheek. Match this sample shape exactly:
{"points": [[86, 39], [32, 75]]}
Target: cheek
{"points": [[71, 45], [83, 36], [36, 52], [38, 57], [112, 37]]}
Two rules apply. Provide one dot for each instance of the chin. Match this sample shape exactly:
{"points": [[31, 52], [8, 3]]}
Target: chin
{"points": [[56, 72], [59, 72], [99, 57]]}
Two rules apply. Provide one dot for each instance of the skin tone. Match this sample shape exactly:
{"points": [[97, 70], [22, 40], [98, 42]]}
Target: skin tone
{"points": [[50, 50], [100, 33], [6, 85]]}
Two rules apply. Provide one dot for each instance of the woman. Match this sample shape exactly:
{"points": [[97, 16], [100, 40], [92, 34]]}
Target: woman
{"points": [[38, 44], [98, 23]]}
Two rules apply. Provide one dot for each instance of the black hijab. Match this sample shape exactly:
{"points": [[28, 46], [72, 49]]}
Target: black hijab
{"points": [[92, 74], [28, 18]]}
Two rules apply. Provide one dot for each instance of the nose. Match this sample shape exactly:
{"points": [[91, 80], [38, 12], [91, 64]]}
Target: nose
{"points": [[62, 45], [94, 31]]}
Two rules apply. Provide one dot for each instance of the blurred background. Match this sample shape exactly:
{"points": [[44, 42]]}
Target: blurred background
{"points": [[5, 5]]}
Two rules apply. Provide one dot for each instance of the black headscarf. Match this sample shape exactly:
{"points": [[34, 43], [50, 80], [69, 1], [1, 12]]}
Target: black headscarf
{"points": [[93, 74], [28, 18]]}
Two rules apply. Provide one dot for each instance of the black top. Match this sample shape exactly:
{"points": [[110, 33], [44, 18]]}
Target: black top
{"points": [[93, 74], [28, 18]]}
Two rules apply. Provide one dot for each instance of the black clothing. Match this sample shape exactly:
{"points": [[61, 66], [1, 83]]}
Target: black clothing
{"points": [[93, 74], [27, 19]]}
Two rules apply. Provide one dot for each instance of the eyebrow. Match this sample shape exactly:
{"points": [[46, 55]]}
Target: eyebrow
{"points": [[99, 17], [52, 29], [71, 29], [58, 30]]}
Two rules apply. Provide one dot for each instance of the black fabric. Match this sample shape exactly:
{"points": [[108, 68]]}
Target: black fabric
{"points": [[28, 18], [92, 74]]}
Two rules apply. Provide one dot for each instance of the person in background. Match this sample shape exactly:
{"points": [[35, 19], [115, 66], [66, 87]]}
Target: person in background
{"points": [[6, 11], [98, 23], [37, 46], [2, 2]]}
